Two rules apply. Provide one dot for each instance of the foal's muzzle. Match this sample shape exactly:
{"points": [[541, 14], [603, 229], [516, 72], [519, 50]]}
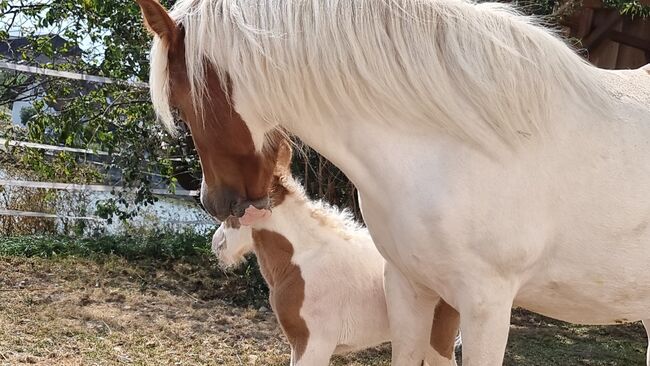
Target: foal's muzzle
{"points": [[218, 239]]}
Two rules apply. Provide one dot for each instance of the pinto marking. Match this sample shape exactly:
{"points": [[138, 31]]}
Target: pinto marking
{"points": [[286, 286], [446, 322], [236, 171]]}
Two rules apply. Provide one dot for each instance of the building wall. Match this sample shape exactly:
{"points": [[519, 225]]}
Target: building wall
{"points": [[172, 213]]}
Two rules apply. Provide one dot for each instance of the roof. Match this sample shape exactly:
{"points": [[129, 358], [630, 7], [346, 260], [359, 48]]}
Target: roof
{"points": [[14, 46]]}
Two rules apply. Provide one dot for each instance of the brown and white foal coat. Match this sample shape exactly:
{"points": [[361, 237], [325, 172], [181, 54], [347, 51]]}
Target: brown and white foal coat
{"points": [[325, 278]]}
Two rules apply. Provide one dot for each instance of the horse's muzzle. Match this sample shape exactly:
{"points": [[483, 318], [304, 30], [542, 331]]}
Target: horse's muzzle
{"points": [[240, 207]]}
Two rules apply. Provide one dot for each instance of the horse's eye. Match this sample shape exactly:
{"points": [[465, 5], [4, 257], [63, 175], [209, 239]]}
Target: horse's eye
{"points": [[176, 114]]}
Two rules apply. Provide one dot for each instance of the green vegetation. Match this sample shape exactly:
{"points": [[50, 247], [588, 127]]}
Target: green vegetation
{"points": [[154, 245], [104, 38], [148, 250], [632, 8]]}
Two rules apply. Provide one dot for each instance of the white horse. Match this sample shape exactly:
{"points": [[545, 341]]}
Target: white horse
{"points": [[495, 166], [325, 277]]}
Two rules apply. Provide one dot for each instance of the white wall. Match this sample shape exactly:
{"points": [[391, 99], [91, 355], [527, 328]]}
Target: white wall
{"points": [[169, 212]]}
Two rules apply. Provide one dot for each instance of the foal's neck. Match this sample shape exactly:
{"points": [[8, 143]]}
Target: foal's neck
{"points": [[306, 224], [274, 240], [298, 225]]}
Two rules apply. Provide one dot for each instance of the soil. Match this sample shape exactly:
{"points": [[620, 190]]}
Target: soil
{"points": [[71, 311]]}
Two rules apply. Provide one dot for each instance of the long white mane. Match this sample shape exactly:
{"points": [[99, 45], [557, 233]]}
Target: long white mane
{"points": [[477, 71]]}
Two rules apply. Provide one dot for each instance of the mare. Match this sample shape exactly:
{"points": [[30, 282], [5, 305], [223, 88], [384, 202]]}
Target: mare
{"points": [[495, 166]]}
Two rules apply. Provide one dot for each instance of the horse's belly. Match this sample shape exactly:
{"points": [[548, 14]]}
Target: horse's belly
{"points": [[589, 294], [569, 225]]}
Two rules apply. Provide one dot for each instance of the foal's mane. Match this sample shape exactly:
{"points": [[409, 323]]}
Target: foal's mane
{"points": [[476, 71], [329, 216]]}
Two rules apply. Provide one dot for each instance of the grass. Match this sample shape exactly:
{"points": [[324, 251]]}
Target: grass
{"points": [[161, 299], [153, 245], [536, 340]]}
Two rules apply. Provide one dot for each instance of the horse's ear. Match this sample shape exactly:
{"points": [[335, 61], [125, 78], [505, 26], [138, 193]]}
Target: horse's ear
{"points": [[158, 21], [283, 162]]}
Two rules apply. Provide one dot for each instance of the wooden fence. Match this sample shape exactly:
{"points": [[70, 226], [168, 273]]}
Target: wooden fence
{"points": [[611, 40]]}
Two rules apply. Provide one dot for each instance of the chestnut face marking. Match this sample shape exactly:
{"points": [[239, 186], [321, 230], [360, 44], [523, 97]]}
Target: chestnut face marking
{"points": [[235, 174]]}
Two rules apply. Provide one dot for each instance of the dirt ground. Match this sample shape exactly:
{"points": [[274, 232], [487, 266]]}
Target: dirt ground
{"points": [[113, 312]]}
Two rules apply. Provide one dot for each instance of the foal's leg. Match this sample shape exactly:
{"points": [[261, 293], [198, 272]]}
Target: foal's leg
{"points": [[446, 322], [646, 324], [485, 323], [317, 353], [410, 318]]}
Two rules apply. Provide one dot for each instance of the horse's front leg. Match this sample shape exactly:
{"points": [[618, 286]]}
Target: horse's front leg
{"points": [[410, 317], [646, 324], [485, 322], [317, 352]]}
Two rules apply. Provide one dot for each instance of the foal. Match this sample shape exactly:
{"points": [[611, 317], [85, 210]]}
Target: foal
{"points": [[325, 277]]}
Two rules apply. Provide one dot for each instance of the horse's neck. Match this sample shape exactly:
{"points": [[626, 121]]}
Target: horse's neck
{"points": [[386, 162], [367, 151]]}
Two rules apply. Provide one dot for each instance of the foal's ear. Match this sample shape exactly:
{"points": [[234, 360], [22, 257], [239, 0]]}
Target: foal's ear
{"points": [[158, 21], [283, 162]]}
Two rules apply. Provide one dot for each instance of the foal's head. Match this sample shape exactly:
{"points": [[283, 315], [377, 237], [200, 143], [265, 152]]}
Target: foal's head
{"points": [[235, 174], [231, 242]]}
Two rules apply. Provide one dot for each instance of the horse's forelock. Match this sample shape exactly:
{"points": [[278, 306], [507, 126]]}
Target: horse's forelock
{"points": [[159, 84]]}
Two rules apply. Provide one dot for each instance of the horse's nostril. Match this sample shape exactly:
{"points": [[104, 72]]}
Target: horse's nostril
{"points": [[219, 212], [237, 210], [234, 206], [226, 202]]}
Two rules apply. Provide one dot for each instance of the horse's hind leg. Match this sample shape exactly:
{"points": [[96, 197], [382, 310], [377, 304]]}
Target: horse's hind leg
{"points": [[646, 324]]}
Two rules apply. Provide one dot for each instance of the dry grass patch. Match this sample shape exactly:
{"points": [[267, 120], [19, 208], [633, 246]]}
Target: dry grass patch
{"points": [[71, 311]]}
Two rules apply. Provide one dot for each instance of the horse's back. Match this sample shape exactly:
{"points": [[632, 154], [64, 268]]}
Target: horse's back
{"points": [[646, 68], [633, 84]]}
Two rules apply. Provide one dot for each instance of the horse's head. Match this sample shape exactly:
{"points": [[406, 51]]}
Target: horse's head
{"points": [[235, 173]]}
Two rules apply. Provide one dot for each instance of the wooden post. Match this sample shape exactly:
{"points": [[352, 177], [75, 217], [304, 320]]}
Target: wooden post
{"points": [[600, 33]]}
